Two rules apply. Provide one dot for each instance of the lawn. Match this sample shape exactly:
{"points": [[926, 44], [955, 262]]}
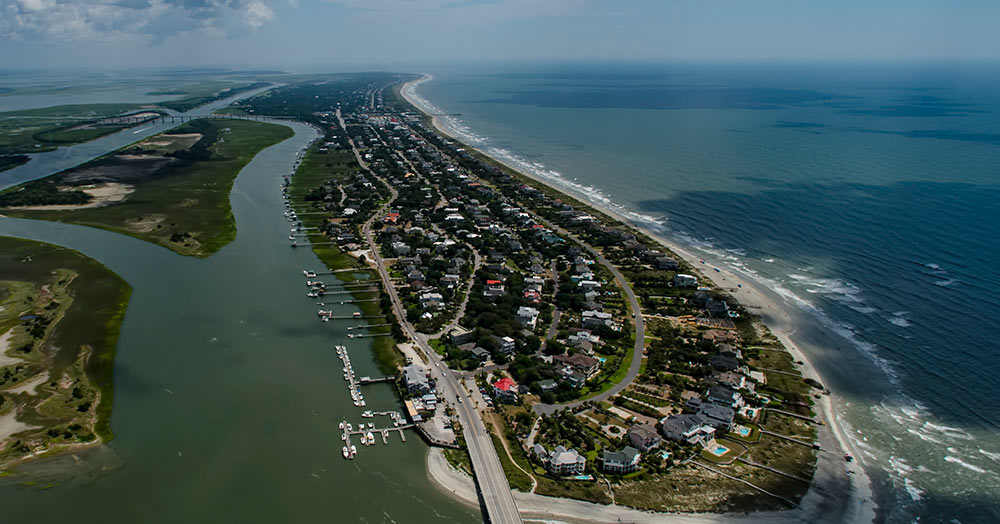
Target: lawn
{"points": [[183, 205], [72, 338]]}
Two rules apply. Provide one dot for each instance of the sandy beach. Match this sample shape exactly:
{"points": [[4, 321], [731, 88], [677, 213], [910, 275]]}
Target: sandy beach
{"points": [[840, 491]]}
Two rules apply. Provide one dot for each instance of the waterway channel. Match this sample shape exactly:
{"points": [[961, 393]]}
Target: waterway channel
{"points": [[49, 162], [228, 390]]}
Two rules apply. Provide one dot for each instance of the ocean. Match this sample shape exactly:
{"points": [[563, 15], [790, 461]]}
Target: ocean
{"points": [[866, 195]]}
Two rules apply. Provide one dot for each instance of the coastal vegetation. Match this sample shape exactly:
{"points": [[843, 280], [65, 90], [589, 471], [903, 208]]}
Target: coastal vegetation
{"points": [[330, 173], [12, 161], [60, 313], [171, 189]]}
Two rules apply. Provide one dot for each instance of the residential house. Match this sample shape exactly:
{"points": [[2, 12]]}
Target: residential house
{"points": [[644, 437], [494, 288], [620, 462], [588, 366], [682, 280], [561, 461], [504, 344], [724, 396], [527, 317], [431, 300], [505, 390], [460, 335], [666, 263], [592, 318], [717, 416], [415, 379], [687, 428], [548, 384], [482, 354]]}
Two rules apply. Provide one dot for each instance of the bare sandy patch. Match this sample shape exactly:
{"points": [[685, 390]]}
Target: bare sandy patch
{"points": [[101, 195], [9, 425], [146, 223], [30, 386], [171, 142], [6, 360]]}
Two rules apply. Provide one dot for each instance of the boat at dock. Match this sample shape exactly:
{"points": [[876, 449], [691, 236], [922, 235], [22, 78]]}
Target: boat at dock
{"points": [[347, 452]]}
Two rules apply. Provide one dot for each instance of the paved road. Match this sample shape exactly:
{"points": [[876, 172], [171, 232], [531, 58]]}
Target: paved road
{"points": [[497, 497], [640, 327]]}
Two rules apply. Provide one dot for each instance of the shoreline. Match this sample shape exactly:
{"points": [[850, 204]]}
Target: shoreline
{"points": [[855, 496]]}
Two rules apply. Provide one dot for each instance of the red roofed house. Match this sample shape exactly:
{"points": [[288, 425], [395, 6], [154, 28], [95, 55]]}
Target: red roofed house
{"points": [[494, 288], [505, 390], [392, 217]]}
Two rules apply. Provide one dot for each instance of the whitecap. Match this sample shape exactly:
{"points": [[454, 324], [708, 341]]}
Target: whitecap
{"points": [[994, 456], [966, 465]]}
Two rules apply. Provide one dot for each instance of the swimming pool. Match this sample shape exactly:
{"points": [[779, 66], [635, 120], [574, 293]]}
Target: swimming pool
{"points": [[719, 451], [742, 431]]}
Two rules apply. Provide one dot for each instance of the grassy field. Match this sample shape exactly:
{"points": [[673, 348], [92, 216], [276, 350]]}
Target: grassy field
{"points": [[60, 317], [44, 129], [183, 205]]}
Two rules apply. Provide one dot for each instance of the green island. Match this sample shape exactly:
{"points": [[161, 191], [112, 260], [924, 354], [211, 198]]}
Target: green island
{"points": [[47, 128], [171, 189], [60, 313]]}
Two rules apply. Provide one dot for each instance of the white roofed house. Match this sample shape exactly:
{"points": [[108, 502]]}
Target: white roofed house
{"points": [[593, 318], [431, 300], [682, 280], [561, 461], [527, 317]]}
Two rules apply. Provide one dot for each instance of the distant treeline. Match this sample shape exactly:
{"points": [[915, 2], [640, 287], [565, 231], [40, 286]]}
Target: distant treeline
{"points": [[42, 193], [12, 161], [187, 104]]}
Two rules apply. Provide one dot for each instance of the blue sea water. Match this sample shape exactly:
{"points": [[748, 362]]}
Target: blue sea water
{"points": [[867, 195]]}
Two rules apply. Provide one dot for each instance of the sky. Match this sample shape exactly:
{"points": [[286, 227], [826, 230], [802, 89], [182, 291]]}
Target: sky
{"points": [[346, 34]]}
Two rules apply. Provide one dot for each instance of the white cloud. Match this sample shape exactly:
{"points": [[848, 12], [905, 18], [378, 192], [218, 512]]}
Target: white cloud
{"points": [[257, 13], [103, 20]]}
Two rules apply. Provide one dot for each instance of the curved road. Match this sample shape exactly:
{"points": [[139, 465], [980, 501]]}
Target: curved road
{"points": [[640, 327]]}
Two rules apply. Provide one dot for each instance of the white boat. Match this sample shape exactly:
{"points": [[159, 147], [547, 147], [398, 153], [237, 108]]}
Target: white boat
{"points": [[371, 438], [350, 427], [341, 424], [343, 436], [309, 274], [368, 414], [346, 452], [371, 425], [354, 449], [312, 294]]}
